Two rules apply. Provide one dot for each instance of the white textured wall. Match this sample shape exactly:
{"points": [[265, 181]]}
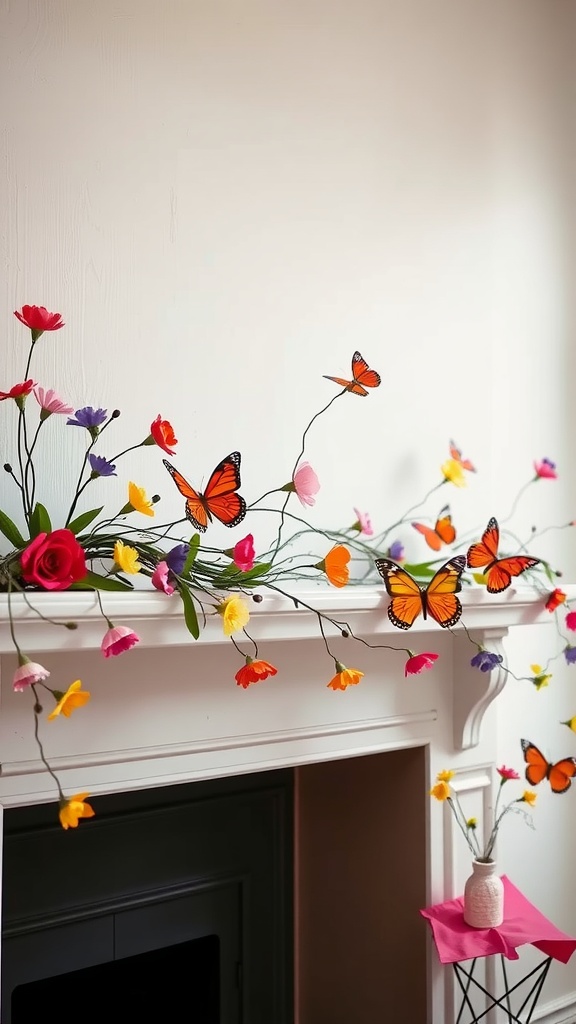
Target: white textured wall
{"points": [[226, 198]]}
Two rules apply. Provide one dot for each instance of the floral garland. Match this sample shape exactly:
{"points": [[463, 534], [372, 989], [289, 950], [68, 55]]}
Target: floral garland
{"points": [[90, 551]]}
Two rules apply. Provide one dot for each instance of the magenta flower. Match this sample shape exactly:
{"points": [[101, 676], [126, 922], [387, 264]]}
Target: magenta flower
{"points": [[306, 484], [50, 403], [571, 620], [418, 662], [507, 773], [546, 469], [243, 553], [160, 578], [363, 523], [117, 640], [27, 673]]}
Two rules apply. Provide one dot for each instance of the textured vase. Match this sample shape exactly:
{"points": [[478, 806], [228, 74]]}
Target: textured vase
{"points": [[484, 896]]}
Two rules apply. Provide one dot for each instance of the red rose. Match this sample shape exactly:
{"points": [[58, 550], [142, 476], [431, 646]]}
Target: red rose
{"points": [[38, 319], [163, 434], [53, 561]]}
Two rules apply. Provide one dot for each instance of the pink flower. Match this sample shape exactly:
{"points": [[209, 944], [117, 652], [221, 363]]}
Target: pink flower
{"points": [[160, 578], [507, 773], [418, 662], [51, 402], [306, 484], [546, 469], [117, 640], [571, 620], [28, 672], [363, 524], [244, 554]]}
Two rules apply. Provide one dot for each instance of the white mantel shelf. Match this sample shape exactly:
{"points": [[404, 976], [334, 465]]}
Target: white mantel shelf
{"points": [[158, 619]]}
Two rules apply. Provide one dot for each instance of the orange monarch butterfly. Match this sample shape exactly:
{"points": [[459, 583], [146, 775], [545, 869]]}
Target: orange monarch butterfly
{"points": [[363, 377], [499, 571], [456, 454], [442, 533], [219, 499], [409, 599], [559, 775]]}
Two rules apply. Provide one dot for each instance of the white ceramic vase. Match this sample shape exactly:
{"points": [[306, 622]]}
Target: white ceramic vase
{"points": [[484, 896]]}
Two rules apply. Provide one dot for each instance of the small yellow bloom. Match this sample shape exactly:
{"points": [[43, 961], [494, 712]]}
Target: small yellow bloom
{"points": [[453, 472], [235, 614], [528, 797], [441, 791], [481, 578], [73, 809], [571, 723], [446, 775], [472, 823], [138, 500], [344, 677], [540, 677], [74, 698], [126, 558]]}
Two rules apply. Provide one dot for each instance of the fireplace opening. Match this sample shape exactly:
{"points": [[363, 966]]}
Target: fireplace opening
{"points": [[146, 987]]}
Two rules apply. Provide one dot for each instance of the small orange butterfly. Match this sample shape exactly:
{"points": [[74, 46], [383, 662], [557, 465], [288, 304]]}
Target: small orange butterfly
{"points": [[362, 377], [559, 775], [219, 498], [499, 571], [409, 599], [456, 454], [442, 533]]}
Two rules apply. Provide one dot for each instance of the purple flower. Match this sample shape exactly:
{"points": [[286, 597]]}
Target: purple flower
{"points": [[176, 557], [486, 661], [88, 417], [570, 655], [396, 551], [101, 467]]}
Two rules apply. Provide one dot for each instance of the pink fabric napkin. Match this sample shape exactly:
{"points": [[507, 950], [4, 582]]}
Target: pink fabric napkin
{"points": [[456, 941]]}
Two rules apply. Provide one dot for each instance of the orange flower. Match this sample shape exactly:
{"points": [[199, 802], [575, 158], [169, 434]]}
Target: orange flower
{"points": [[162, 433], [335, 565], [344, 677], [556, 598], [253, 671], [73, 809]]}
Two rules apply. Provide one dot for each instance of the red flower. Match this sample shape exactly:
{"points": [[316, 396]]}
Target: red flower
{"points": [[556, 598], [38, 319], [244, 554], [418, 662], [53, 561], [163, 435], [19, 391], [253, 672], [507, 773]]}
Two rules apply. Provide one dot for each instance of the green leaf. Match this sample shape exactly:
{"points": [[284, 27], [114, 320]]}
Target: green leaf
{"points": [[232, 575], [81, 522], [11, 531], [39, 521], [191, 557], [422, 569], [94, 581], [190, 617]]}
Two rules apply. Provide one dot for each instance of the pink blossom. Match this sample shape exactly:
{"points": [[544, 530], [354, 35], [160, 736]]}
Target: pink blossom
{"points": [[160, 578], [244, 554], [418, 662], [306, 484], [27, 673], [51, 402], [507, 773], [546, 469], [117, 640], [364, 524], [571, 620]]}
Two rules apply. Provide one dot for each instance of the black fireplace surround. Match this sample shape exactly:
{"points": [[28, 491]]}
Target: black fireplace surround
{"points": [[172, 904]]}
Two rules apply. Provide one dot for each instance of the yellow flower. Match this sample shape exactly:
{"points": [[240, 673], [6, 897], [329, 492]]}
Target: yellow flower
{"points": [[481, 578], [472, 823], [138, 500], [344, 677], [441, 791], [126, 558], [74, 698], [528, 797], [571, 723], [446, 775], [235, 614], [73, 809], [453, 472], [540, 677]]}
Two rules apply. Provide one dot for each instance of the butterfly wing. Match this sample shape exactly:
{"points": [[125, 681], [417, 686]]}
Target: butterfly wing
{"points": [[444, 528], [456, 454], [536, 764], [440, 594], [405, 593], [195, 510], [561, 774], [499, 576], [430, 536], [362, 377], [485, 551], [220, 498]]}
